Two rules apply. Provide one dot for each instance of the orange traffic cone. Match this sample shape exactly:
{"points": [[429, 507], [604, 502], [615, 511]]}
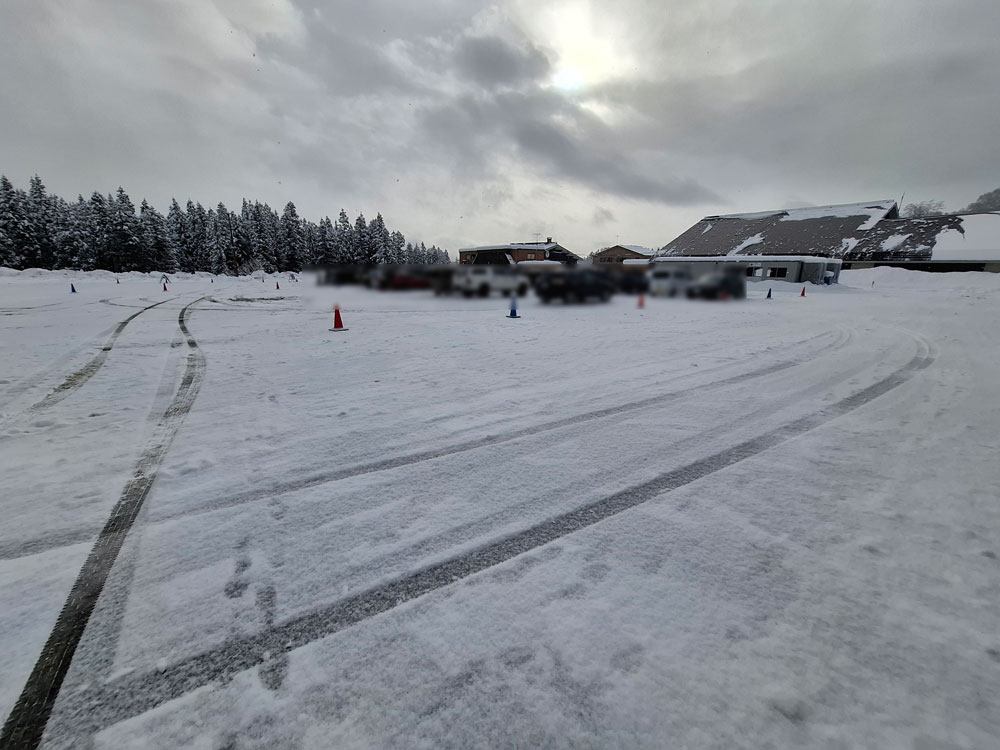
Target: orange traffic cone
{"points": [[642, 300], [338, 324], [164, 286], [803, 292]]}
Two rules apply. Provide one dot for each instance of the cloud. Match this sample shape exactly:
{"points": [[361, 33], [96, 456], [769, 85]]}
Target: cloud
{"points": [[602, 216], [445, 116], [490, 61]]}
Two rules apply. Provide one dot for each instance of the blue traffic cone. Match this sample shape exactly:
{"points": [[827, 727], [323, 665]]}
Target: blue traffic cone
{"points": [[513, 308], [72, 289], [768, 293]]}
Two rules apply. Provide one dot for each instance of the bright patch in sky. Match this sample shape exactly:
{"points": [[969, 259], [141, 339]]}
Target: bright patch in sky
{"points": [[586, 52]]}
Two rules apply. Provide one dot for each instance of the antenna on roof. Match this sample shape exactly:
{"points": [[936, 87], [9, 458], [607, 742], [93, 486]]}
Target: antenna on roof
{"points": [[901, 199], [537, 235]]}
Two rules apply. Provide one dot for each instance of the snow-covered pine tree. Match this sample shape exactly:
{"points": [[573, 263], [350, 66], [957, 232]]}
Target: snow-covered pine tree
{"points": [[196, 239], [13, 223], [397, 246], [158, 248], [379, 238], [42, 225], [343, 240], [292, 239], [325, 242], [71, 241], [242, 261], [99, 231], [363, 251], [223, 240], [124, 245], [177, 233], [270, 228]]}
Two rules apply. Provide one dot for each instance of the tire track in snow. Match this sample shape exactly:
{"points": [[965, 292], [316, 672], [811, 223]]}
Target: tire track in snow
{"points": [[76, 380], [26, 724], [101, 706], [64, 538], [326, 477]]}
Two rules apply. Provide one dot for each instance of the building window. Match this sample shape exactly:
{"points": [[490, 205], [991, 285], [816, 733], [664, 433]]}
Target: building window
{"points": [[531, 256], [777, 273]]}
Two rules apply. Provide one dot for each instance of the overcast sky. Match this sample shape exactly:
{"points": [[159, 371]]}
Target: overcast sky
{"points": [[469, 122]]}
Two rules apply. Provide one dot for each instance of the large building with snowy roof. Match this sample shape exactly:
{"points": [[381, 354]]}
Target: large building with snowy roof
{"points": [[517, 252], [857, 234]]}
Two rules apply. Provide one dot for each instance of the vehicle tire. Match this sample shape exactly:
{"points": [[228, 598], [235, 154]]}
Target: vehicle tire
{"points": [[546, 299], [467, 293], [484, 290], [522, 290]]}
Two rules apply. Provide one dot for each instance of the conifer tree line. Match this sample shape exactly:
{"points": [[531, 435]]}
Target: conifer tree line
{"points": [[39, 230]]}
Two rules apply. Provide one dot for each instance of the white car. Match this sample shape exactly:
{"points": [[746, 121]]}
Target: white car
{"points": [[482, 280], [669, 282]]}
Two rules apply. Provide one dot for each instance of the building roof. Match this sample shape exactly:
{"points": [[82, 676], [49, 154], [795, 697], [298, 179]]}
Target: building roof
{"points": [[649, 252], [748, 259], [816, 230], [514, 246], [952, 238]]}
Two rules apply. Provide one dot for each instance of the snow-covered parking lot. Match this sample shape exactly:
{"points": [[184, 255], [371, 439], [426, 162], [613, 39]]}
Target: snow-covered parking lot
{"points": [[772, 523]]}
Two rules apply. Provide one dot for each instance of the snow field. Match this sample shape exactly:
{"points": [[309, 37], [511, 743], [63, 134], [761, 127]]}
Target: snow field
{"points": [[837, 589]]}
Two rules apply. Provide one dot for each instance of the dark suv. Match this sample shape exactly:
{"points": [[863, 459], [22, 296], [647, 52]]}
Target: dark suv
{"points": [[574, 286]]}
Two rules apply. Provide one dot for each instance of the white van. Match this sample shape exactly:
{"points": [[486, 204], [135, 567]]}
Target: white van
{"points": [[482, 280]]}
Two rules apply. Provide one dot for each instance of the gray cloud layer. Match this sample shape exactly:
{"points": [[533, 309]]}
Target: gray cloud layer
{"points": [[443, 114]]}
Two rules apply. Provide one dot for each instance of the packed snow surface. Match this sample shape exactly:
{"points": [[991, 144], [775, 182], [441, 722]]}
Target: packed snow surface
{"points": [[770, 523]]}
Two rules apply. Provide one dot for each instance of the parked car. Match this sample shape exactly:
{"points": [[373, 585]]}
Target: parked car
{"points": [[633, 282], [721, 285], [483, 280], [574, 286], [669, 280]]}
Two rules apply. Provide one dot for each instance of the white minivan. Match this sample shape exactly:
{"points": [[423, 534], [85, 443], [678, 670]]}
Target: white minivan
{"points": [[482, 280]]}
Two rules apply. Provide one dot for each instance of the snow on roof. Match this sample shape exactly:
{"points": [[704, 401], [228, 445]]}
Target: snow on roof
{"points": [[513, 246], [872, 209], [746, 259], [755, 240], [827, 231], [648, 251], [978, 239], [950, 238]]}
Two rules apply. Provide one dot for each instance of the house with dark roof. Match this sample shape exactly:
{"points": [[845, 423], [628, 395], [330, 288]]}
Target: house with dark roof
{"points": [[854, 234], [621, 253], [517, 252]]}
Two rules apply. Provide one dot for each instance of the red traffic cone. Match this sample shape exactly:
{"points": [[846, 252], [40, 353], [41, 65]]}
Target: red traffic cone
{"points": [[642, 300], [803, 292], [276, 286], [211, 281], [164, 286], [117, 281], [338, 323]]}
